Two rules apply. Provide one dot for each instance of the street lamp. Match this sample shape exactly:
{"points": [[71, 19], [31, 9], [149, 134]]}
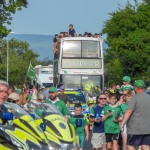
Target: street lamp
{"points": [[8, 58]]}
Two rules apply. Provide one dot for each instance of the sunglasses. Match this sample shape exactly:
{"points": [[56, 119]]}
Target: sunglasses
{"points": [[41, 99], [102, 98], [91, 104], [12, 101], [106, 93]]}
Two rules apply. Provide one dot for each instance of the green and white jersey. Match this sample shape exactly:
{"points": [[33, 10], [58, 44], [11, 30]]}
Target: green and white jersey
{"points": [[110, 126], [39, 111], [73, 121], [123, 108], [126, 87], [60, 105]]}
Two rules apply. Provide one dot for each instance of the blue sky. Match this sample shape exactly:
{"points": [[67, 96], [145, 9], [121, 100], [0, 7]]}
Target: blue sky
{"points": [[48, 17]]}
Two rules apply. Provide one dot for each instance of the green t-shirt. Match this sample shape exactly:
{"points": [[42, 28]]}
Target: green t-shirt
{"points": [[126, 87], [110, 126], [73, 121], [29, 97], [60, 105], [39, 111], [123, 108]]}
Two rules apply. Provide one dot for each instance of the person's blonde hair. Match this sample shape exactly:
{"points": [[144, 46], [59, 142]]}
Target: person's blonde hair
{"points": [[129, 93]]}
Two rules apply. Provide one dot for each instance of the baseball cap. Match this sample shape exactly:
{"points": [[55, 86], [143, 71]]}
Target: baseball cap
{"points": [[139, 84], [52, 89], [14, 96], [91, 102], [126, 79]]}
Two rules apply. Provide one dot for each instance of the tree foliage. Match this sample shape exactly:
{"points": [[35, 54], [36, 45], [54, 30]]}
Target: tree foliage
{"points": [[46, 61], [20, 56], [7, 8], [128, 38]]}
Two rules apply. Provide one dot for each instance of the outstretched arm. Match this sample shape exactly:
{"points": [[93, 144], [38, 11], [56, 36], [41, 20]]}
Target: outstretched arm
{"points": [[87, 132], [126, 117]]}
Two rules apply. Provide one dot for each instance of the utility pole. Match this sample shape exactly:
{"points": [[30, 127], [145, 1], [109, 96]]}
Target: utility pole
{"points": [[7, 43], [7, 61]]}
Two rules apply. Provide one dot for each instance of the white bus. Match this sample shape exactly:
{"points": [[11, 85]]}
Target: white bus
{"points": [[80, 64], [45, 74]]}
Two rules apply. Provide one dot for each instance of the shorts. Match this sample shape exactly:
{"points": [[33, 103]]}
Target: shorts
{"points": [[120, 140], [111, 137], [137, 140], [81, 140], [98, 139]]}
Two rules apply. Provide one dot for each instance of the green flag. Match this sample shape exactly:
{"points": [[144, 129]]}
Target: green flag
{"points": [[31, 73]]}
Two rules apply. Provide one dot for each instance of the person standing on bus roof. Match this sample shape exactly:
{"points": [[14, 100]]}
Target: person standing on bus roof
{"points": [[56, 45], [72, 32]]}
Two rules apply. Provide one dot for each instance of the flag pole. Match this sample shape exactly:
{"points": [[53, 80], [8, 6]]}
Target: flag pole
{"points": [[27, 73]]}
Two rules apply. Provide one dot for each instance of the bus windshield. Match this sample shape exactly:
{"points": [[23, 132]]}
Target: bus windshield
{"points": [[91, 84], [81, 49]]}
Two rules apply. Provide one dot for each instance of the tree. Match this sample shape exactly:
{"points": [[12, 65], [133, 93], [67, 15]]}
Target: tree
{"points": [[128, 36], [7, 8], [20, 56], [46, 62], [113, 72]]}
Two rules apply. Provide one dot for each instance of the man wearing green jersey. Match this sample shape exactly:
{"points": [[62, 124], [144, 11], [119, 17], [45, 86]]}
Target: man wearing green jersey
{"points": [[110, 116], [60, 105]]}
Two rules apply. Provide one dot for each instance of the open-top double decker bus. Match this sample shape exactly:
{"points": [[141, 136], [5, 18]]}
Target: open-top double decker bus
{"points": [[80, 64]]}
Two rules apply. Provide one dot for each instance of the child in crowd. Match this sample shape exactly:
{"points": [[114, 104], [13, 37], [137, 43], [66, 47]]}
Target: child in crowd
{"points": [[110, 116], [90, 106], [80, 124], [123, 103], [107, 95], [126, 85]]}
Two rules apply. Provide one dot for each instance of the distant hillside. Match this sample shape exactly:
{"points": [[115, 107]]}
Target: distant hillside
{"points": [[41, 44]]}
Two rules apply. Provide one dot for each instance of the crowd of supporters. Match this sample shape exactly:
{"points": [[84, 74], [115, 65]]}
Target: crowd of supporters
{"points": [[71, 33], [109, 118]]}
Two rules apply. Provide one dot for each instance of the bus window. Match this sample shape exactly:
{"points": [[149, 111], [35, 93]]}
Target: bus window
{"points": [[71, 82], [91, 84], [71, 49], [90, 49]]}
